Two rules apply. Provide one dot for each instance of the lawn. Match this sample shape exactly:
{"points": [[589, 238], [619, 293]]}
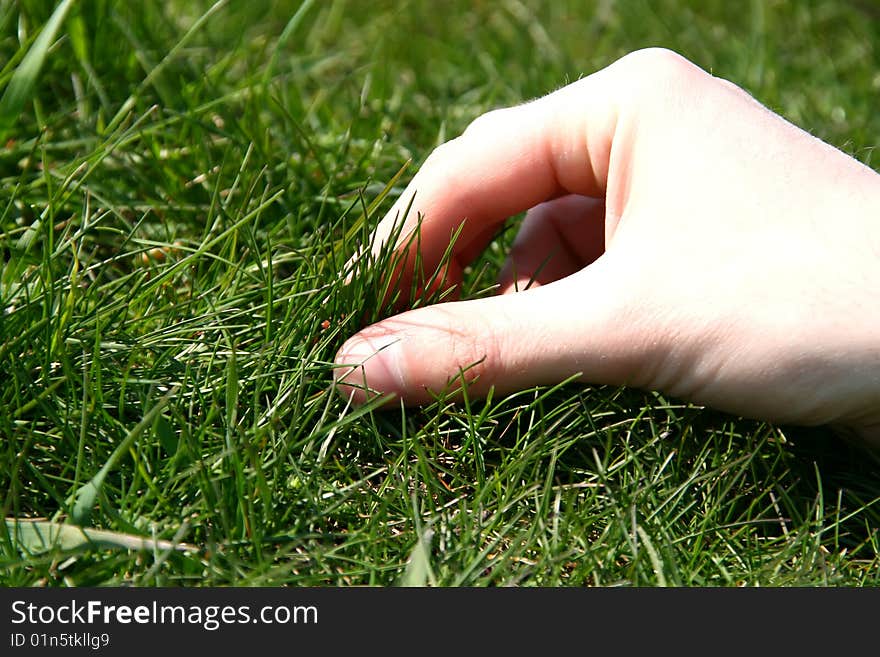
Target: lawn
{"points": [[180, 185]]}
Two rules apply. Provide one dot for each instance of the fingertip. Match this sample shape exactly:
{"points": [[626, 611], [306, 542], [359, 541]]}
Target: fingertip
{"points": [[369, 364]]}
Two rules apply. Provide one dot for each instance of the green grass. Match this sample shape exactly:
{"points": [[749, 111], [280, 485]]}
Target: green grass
{"points": [[179, 189]]}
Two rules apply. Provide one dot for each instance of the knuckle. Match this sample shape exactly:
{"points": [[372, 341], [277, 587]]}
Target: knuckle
{"points": [[656, 61], [474, 354], [655, 71], [442, 153], [443, 163], [488, 121]]}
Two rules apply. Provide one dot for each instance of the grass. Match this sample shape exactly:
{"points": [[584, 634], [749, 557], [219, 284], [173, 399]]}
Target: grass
{"points": [[181, 183]]}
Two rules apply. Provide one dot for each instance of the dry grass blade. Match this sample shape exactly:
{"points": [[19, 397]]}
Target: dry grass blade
{"points": [[36, 536]]}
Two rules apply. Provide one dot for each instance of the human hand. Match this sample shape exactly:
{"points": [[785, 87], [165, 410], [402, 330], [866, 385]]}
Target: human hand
{"points": [[680, 237]]}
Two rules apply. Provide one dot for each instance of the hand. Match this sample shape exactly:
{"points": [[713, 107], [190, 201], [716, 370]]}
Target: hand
{"points": [[680, 237]]}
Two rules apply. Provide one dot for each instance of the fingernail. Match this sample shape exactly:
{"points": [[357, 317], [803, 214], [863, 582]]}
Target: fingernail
{"points": [[371, 364]]}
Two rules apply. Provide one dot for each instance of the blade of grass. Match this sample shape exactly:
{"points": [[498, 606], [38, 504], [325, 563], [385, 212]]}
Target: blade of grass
{"points": [[37, 536], [24, 79], [172, 54], [86, 496]]}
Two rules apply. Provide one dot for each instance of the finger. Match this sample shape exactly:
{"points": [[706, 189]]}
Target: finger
{"points": [[506, 162], [485, 343], [578, 140], [556, 239]]}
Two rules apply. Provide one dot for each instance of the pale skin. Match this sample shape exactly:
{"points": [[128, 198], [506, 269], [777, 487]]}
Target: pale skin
{"points": [[680, 237]]}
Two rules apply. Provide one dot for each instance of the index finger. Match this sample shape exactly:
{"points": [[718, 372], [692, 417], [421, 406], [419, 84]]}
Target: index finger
{"points": [[507, 161]]}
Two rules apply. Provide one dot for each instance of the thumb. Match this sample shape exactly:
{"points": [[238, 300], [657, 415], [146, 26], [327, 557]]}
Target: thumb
{"points": [[575, 326]]}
